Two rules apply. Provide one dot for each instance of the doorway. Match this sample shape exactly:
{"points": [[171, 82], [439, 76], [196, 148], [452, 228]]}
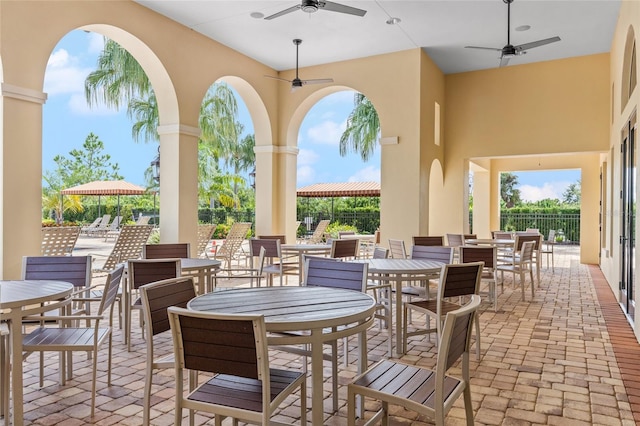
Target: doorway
{"points": [[628, 217]]}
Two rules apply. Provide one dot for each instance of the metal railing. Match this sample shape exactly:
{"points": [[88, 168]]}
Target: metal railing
{"points": [[567, 226]]}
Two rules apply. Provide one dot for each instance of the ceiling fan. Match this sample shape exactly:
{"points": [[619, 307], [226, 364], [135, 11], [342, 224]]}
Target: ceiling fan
{"points": [[509, 51], [312, 6], [297, 83]]}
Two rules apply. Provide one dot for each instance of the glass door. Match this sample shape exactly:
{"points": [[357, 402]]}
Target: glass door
{"points": [[628, 218]]}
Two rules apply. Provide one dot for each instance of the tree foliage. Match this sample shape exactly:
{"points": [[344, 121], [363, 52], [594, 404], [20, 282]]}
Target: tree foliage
{"points": [[363, 129], [572, 195], [509, 194]]}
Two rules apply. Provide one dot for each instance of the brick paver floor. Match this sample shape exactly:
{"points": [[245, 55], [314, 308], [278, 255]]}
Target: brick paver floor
{"points": [[546, 361]]}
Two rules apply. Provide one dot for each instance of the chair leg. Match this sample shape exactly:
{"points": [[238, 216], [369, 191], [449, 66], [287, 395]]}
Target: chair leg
{"points": [[468, 408], [532, 285], [476, 319]]}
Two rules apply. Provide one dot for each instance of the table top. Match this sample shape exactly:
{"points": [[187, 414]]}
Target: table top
{"points": [[402, 266], [195, 263], [290, 308], [306, 247], [358, 237], [16, 294], [490, 241]]}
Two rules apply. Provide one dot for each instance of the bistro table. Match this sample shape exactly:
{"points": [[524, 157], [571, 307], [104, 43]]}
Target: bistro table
{"points": [[301, 249], [19, 299], [316, 315], [397, 271], [204, 269]]}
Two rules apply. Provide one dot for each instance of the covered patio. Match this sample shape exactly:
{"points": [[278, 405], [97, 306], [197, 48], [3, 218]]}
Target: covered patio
{"points": [[567, 357]]}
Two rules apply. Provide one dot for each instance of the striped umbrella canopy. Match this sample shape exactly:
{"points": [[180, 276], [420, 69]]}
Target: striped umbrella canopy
{"points": [[105, 187]]}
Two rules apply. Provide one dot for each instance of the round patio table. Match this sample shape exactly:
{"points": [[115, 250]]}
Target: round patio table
{"points": [[19, 299], [313, 316]]}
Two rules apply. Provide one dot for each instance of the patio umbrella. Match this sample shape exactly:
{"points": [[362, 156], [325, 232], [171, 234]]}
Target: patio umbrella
{"points": [[105, 187]]}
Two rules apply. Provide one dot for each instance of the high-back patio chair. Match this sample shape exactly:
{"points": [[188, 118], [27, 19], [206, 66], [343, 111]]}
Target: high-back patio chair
{"points": [[166, 251], [397, 249], [318, 233], [430, 393], [428, 240], [235, 353], [58, 240], [205, 233], [231, 247]]}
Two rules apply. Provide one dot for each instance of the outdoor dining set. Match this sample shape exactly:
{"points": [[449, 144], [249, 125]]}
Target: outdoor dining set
{"points": [[228, 304]]}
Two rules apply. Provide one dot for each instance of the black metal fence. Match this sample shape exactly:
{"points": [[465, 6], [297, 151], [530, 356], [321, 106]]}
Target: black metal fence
{"points": [[567, 226]]}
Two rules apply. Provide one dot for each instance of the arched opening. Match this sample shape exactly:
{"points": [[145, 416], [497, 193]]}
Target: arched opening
{"points": [[437, 215], [629, 69]]}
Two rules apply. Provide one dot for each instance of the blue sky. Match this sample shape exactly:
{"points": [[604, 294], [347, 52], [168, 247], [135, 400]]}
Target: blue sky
{"points": [[67, 120]]}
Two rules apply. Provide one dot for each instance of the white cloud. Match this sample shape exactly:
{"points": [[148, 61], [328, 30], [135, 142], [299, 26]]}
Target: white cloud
{"points": [[307, 156], [306, 175], [553, 190], [64, 75], [96, 42], [368, 174], [327, 132]]}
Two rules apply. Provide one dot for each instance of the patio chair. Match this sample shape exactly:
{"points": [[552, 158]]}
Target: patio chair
{"points": [[141, 272], [205, 233], [275, 264], [231, 247], [428, 240], [236, 353], [462, 279], [521, 263], [103, 227], [67, 339], [547, 249], [318, 234], [58, 241], [99, 221], [156, 298], [397, 249], [488, 255], [128, 245], [114, 229], [345, 249], [166, 251], [430, 393]]}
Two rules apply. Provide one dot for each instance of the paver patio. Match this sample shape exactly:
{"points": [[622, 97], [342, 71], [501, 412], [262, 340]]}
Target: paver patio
{"points": [[555, 360]]}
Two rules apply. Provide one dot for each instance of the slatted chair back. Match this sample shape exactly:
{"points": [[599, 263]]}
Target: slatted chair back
{"points": [[111, 291], [456, 338], [345, 233], [462, 279], [73, 269], [526, 251], [341, 249], [397, 249], [58, 240], [439, 253], [272, 248], [205, 233], [455, 240], [222, 344], [488, 255], [532, 231], [500, 235], [380, 253], [128, 245], [282, 238], [145, 271], [166, 251], [470, 236], [158, 296], [318, 233], [427, 240], [330, 273], [522, 238]]}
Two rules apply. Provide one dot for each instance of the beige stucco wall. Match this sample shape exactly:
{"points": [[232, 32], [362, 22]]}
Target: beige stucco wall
{"points": [[543, 108], [628, 19]]}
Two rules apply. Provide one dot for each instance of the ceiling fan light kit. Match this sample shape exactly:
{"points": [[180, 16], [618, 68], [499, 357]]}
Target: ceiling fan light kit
{"points": [[509, 51]]}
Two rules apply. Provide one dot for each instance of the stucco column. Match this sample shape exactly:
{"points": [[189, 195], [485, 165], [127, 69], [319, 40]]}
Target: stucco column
{"points": [[276, 168], [179, 184], [21, 178], [482, 204]]}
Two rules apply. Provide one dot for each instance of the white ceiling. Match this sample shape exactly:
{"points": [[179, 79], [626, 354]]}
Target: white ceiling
{"points": [[442, 28]]}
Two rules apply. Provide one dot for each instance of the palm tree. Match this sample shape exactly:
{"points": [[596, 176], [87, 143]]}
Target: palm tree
{"points": [[363, 129]]}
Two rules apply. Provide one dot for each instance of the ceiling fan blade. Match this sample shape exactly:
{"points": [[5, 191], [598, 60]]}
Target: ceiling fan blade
{"points": [[278, 78], [336, 7], [504, 61], [318, 81], [483, 48], [284, 12], [538, 43]]}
